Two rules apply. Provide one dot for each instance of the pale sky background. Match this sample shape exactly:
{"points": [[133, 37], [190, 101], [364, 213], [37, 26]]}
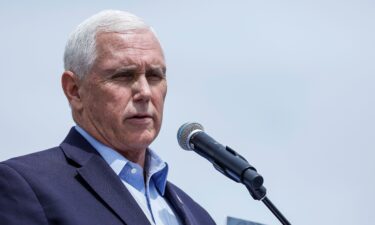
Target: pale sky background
{"points": [[288, 84]]}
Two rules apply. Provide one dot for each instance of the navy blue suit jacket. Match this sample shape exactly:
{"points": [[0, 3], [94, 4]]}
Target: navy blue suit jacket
{"points": [[72, 185]]}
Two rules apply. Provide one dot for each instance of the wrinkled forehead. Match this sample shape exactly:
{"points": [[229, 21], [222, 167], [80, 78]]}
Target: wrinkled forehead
{"points": [[140, 48], [132, 39]]}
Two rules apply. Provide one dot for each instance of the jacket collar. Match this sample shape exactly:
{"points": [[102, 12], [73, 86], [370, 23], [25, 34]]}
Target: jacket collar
{"points": [[178, 201], [101, 179]]}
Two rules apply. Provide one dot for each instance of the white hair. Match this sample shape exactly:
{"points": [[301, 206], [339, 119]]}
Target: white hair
{"points": [[80, 50]]}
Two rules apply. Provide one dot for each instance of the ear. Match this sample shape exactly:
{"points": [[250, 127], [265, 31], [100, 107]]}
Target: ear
{"points": [[70, 84]]}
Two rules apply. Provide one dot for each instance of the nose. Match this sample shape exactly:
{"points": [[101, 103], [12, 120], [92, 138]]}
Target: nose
{"points": [[141, 89]]}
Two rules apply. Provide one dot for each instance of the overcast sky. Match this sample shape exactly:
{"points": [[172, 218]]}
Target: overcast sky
{"points": [[288, 84]]}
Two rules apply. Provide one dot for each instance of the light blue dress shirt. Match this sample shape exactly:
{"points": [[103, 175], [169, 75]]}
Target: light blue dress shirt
{"points": [[149, 195]]}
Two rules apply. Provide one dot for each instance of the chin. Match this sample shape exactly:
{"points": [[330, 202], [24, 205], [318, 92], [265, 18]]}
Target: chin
{"points": [[142, 139]]}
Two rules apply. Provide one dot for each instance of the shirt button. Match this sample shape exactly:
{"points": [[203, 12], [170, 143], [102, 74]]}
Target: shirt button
{"points": [[133, 171]]}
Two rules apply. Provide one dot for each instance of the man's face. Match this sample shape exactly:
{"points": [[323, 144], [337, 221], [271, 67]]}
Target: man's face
{"points": [[123, 95]]}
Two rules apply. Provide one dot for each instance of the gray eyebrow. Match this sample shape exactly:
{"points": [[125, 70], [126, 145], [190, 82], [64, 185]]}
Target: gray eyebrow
{"points": [[131, 68], [158, 67], [122, 69]]}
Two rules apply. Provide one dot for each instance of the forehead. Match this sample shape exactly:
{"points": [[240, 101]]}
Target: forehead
{"points": [[131, 43], [137, 48]]}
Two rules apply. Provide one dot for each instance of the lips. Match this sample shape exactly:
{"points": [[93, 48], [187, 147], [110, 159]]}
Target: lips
{"points": [[140, 119], [140, 116]]}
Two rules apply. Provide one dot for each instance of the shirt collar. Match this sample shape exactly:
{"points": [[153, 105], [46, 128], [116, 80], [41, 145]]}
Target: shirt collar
{"points": [[156, 168]]}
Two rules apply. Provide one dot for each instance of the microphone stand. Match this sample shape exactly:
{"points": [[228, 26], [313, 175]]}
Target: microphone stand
{"points": [[254, 183], [275, 211]]}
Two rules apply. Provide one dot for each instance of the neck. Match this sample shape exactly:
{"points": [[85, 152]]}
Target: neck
{"points": [[136, 156]]}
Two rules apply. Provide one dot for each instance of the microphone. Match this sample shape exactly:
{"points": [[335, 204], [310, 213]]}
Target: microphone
{"points": [[191, 136]]}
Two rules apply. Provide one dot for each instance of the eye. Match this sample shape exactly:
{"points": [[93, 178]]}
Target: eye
{"points": [[124, 76], [155, 75]]}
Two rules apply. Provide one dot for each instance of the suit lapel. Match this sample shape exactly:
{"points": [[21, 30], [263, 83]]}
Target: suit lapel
{"points": [[178, 205], [102, 180]]}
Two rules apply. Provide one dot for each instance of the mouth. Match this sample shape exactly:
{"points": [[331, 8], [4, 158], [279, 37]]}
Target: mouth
{"points": [[140, 116], [140, 119]]}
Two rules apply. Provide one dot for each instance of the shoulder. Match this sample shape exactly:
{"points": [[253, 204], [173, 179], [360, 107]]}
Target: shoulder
{"points": [[16, 186], [35, 166], [36, 160]]}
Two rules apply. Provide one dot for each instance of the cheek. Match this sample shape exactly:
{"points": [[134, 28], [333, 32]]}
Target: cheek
{"points": [[159, 97], [118, 104], [109, 103]]}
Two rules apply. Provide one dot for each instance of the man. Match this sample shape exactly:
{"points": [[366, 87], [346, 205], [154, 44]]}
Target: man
{"points": [[103, 173]]}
